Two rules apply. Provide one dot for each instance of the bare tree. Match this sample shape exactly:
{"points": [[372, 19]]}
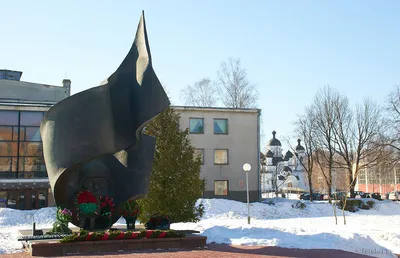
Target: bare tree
{"points": [[305, 127], [203, 93], [394, 113], [356, 138], [323, 113], [236, 90]]}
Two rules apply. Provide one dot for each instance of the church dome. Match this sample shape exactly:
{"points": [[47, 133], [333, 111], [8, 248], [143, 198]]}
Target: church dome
{"points": [[274, 141], [269, 154], [288, 155], [299, 147]]}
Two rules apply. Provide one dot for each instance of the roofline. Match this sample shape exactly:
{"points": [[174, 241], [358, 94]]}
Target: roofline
{"points": [[195, 108], [6, 70], [15, 102], [25, 105], [32, 83], [24, 181]]}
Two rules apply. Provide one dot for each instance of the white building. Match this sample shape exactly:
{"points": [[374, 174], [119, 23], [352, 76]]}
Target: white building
{"points": [[285, 173], [225, 139]]}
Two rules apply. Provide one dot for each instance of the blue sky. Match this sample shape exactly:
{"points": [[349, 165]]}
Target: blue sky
{"points": [[289, 48]]}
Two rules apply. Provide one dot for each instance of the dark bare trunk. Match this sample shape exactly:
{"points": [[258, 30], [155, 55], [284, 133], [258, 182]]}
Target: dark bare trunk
{"points": [[310, 184], [351, 185]]}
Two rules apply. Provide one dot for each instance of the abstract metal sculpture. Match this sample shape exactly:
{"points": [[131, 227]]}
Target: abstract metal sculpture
{"points": [[93, 140]]}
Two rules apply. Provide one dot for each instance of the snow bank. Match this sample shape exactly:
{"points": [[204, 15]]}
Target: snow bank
{"points": [[366, 232], [224, 221], [12, 218]]}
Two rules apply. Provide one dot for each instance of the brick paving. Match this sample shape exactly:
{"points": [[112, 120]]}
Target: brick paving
{"points": [[220, 251]]}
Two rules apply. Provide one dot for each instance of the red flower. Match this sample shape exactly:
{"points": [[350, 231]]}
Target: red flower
{"points": [[86, 197]]}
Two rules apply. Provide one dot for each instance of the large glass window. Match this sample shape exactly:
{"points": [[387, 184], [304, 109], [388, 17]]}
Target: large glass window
{"points": [[5, 164], [221, 157], [221, 187], [220, 126], [30, 149], [8, 149], [21, 150], [30, 164], [8, 117], [32, 134], [31, 118], [6, 133], [196, 125]]}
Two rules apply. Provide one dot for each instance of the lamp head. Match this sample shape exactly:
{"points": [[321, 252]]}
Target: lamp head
{"points": [[246, 167]]}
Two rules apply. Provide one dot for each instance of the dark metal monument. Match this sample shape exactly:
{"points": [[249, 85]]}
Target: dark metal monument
{"points": [[93, 140]]}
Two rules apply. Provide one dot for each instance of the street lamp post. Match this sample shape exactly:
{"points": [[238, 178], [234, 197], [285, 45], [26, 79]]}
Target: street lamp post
{"points": [[246, 168]]}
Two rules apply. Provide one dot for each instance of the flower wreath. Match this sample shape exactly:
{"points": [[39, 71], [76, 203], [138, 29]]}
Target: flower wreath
{"points": [[107, 206], [86, 204]]}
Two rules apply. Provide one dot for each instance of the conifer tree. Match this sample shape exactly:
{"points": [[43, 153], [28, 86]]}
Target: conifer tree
{"points": [[175, 183]]}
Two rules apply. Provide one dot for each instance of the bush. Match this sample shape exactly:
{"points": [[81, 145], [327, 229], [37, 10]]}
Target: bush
{"points": [[354, 205], [371, 204], [299, 205]]}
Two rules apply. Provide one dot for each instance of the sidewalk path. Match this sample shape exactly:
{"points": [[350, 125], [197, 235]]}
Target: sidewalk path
{"points": [[220, 251]]}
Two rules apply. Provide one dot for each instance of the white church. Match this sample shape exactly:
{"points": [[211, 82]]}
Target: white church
{"points": [[283, 172]]}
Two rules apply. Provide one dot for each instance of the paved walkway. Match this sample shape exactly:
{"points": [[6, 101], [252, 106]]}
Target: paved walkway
{"points": [[220, 251]]}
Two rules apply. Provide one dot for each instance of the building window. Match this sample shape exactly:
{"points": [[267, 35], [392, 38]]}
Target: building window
{"points": [[221, 187], [21, 150], [29, 118], [220, 126], [199, 153], [196, 125], [221, 157], [8, 117]]}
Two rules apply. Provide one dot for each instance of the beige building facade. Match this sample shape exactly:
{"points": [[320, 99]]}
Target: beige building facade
{"points": [[225, 139]]}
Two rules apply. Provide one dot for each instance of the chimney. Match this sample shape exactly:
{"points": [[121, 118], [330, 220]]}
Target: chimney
{"points": [[67, 85]]}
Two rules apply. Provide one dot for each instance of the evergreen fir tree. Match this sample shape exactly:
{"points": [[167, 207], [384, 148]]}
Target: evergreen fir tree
{"points": [[175, 183]]}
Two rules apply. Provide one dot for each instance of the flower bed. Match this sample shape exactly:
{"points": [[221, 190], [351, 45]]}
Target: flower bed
{"points": [[84, 235]]}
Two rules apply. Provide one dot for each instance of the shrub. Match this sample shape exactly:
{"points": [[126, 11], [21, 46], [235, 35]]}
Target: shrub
{"points": [[354, 205], [371, 204], [299, 205]]}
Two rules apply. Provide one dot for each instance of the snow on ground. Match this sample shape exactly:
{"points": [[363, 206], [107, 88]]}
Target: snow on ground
{"points": [[373, 232], [12, 220]]}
